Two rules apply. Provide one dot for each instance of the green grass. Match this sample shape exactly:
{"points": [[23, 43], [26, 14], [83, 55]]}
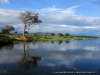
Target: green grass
{"points": [[57, 38], [5, 41]]}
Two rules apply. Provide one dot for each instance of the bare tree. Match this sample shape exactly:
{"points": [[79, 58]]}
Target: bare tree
{"points": [[28, 19]]}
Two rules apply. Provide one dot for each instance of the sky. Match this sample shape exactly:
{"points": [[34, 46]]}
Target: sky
{"points": [[80, 17]]}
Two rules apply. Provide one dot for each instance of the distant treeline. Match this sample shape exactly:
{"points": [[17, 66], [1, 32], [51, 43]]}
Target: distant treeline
{"points": [[87, 36]]}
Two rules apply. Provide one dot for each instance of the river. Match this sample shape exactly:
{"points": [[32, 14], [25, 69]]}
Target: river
{"points": [[51, 58]]}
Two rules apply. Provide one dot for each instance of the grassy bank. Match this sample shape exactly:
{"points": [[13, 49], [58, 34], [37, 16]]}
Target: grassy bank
{"points": [[9, 39], [58, 38], [4, 40]]}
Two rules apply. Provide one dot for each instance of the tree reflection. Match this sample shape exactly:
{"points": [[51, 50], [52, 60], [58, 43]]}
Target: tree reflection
{"points": [[60, 42], [34, 42], [27, 61], [52, 42], [67, 41], [1, 47], [8, 47]]}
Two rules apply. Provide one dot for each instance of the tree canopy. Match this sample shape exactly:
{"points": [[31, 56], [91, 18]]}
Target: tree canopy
{"points": [[7, 29], [60, 34], [67, 34], [28, 19], [52, 34]]}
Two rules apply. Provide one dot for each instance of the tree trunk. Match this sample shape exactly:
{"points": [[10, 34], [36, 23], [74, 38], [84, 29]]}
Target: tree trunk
{"points": [[28, 30], [24, 32], [24, 47]]}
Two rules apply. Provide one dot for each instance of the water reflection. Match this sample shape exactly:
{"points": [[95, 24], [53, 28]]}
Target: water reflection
{"points": [[45, 57], [71, 55], [52, 42], [27, 61], [67, 41], [7, 47], [60, 42]]}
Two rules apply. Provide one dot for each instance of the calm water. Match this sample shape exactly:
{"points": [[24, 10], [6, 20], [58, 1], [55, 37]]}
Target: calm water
{"points": [[51, 58]]}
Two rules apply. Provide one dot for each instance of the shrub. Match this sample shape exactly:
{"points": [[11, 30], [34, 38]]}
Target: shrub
{"points": [[67, 34], [52, 34]]}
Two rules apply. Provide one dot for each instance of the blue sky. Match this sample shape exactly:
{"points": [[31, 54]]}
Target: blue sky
{"points": [[65, 16]]}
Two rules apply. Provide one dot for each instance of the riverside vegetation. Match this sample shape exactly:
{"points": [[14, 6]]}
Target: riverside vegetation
{"points": [[13, 38]]}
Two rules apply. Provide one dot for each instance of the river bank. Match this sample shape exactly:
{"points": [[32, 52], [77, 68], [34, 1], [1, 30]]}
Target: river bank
{"points": [[8, 39]]}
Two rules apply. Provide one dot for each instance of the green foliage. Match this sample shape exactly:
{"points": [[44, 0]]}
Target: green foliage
{"points": [[7, 29], [3, 35], [67, 34], [34, 34], [26, 32], [28, 19], [60, 34], [29, 39], [52, 34], [4, 41]]}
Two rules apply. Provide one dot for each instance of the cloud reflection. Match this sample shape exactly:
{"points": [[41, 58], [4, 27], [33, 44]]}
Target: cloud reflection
{"points": [[54, 55]]}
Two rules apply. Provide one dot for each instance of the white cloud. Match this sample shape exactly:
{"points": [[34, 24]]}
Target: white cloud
{"points": [[65, 20], [68, 17], [70, 10], [4, 1], [53, 52], [91, 48], [67, 53], [73, 24], [66, 11], [51, 9], [9, 17], [93, 27]]}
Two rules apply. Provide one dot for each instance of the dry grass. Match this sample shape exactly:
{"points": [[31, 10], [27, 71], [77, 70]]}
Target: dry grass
{"points": [[18, 37]]}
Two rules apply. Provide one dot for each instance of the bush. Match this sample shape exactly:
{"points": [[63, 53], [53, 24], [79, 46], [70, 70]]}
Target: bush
{"points": [[67, 34], [34, 34], [4, 41], [60, 34], [52, 34]]}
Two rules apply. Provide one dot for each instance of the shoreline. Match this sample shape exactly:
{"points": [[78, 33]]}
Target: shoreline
{"points": [[6, 39]]}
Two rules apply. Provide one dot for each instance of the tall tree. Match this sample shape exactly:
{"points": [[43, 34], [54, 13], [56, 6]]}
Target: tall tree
{"points": [[7, 29], [28, 19]]}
